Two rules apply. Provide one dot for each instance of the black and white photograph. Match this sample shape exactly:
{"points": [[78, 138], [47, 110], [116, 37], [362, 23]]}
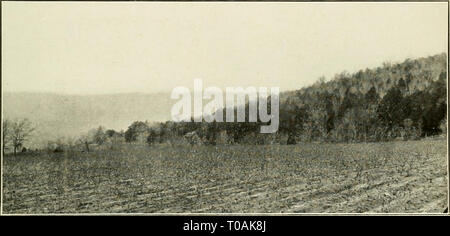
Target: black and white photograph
{"points": [[213, 108]]}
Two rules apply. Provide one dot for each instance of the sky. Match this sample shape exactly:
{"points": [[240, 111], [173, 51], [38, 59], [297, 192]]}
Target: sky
{"points": [[147, 47]]}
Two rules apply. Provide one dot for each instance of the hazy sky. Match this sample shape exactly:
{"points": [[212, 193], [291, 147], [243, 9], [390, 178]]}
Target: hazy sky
{"points": [[95, 47]]}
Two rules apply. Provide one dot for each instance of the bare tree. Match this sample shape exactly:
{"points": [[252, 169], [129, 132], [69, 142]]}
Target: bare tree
{"points": [[20, 130], [85, 140], [99, 135], [6, 124]]}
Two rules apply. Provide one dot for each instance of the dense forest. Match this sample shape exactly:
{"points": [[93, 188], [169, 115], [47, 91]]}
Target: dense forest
{"points": [[404, 100]]}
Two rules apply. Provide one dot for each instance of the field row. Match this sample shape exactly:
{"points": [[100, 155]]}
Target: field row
{"points": [[376, 177]]}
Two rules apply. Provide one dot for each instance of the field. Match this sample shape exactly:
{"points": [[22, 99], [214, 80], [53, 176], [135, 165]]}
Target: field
{"points": [[306, 178]]}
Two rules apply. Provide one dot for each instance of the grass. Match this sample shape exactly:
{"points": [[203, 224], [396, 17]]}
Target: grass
{"points": [[346, 178]]}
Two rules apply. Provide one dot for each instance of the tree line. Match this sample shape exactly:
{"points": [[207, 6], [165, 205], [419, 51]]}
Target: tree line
{"points": [[404, 100]]}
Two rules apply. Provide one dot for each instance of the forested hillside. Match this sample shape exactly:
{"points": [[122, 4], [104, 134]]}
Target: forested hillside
{"points": [[395, 100], [404, 100]]}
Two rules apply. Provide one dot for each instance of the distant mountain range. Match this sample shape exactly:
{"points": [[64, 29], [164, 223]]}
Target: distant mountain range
{"points": [[56, 115]]}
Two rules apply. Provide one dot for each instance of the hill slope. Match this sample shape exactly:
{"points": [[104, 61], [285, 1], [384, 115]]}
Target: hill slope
{"points": [[402, 100]]}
